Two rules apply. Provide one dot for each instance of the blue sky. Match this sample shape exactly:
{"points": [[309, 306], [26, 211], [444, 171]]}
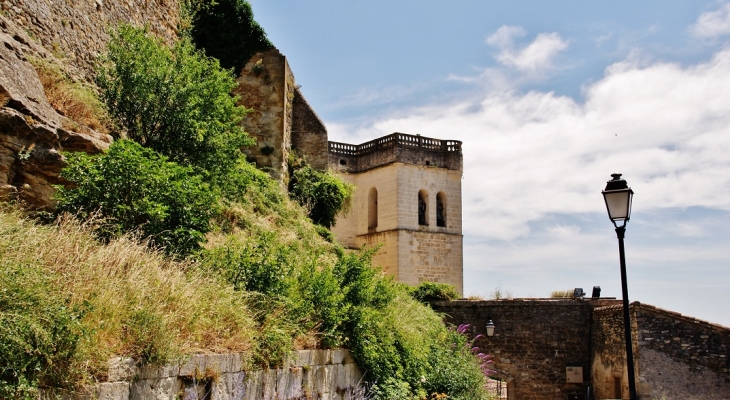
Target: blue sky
{"points": [[549, 98]]}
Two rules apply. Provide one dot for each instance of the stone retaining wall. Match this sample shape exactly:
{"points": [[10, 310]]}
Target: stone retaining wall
{"points": [[319, 374], [534, 341]]}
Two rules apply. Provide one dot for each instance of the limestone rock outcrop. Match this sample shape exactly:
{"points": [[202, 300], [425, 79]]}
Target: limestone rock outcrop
{"points": [[32, 133], [70, 35]]}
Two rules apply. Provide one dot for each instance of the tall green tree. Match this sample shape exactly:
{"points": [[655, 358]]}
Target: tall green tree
{"points": [[174, 100], [226, 30]]}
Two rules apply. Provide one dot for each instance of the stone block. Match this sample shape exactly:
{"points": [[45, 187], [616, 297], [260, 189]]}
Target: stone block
{"points": [[253, 385], [289, 383], [268, 385], [112, 391], [155, 389], [230, 386], [121, 369]]}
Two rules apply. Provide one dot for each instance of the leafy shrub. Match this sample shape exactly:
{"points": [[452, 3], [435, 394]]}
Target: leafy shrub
{"points": [[431, 291], [173, 100], [321, 192], [134, 188], [261, 265], [455, 370], [226, 30], [39, 332]]}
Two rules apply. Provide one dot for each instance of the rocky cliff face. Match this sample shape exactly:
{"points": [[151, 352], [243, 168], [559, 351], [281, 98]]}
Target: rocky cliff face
{"points": [[70, 35]]}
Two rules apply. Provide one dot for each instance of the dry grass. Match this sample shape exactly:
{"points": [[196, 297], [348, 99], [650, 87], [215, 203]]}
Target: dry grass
{"points": [[4, 98], [139, 303], [558, 294], [73, 100]]}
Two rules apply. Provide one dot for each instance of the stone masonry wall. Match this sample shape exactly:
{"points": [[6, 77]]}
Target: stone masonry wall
{"points": [[534, 342], [689, 358], [608, 369], [308, 134], [266, 85], [326, 374], [76, 31], [431, 257]]}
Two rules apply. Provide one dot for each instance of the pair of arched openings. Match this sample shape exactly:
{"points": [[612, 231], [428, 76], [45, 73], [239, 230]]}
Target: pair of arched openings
{"points": [[423, 214], [422, 208]]}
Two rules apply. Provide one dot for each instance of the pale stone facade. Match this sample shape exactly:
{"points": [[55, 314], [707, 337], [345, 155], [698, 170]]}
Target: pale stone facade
{"points": [[408, 201]]}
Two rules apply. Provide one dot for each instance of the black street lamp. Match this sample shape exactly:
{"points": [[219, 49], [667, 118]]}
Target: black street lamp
{"points": [[618, 203]]}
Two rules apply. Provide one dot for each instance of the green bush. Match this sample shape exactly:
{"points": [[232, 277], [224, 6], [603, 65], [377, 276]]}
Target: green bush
{"points": [[226, 30], [431, 291], [262, 265], [173, 100], [454, 369], [321, 192], [135, 189], [39, 332]]}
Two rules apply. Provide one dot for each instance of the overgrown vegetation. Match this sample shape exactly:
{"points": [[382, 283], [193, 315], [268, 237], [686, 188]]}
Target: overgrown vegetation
{"points": [[431, 291], [173, 100], [252, 273], [321, 192], [135, 189]]}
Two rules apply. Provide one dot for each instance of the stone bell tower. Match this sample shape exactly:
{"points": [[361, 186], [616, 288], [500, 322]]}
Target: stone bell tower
{"points": [[408, 201]]}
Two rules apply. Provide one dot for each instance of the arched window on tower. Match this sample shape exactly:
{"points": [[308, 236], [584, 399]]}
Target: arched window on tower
{"points": [[422, 207], [441, 209], [373, 209]]}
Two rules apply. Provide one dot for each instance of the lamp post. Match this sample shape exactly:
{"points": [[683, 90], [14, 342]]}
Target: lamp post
{"points": [[617, 196]]}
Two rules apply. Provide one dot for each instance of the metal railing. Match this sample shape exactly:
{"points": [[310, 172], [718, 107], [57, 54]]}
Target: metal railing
{"points": [[396, 140]]}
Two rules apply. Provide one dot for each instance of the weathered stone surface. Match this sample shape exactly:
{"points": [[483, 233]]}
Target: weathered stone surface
{"points": [[112, 391], [664, 378], [121, 369], [533, 343], [31, 133], [266, 85], [77, 30], [154, 389]]}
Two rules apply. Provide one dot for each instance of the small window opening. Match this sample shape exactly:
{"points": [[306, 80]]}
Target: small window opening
{"points": [[373, 209], [422, 208], [441, 209], [428, 162], [343, 162]]}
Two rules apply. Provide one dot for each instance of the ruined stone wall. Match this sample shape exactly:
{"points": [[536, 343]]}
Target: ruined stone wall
{"points": [[608, 369], [690, 358], [266, 85], [326, 373], [533, 343], [308, 133], [76, 31]]}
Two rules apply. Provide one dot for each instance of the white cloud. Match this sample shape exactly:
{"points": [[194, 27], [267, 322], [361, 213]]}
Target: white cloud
{"points": [[537, 55], [713, 24], [504, 36], [534, 58], [528, 155]]}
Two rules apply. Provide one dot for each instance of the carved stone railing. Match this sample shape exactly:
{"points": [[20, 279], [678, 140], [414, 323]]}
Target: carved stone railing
{"points": [[396, 140]]}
